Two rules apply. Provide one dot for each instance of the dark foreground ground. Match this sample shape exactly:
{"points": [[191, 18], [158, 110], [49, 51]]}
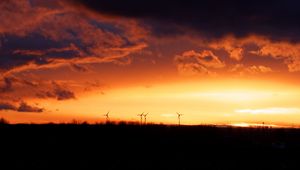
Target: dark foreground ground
{"points": [[147, 147]]}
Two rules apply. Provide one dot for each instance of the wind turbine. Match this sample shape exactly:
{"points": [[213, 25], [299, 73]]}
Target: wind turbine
{"points": [[179, 115], [107, 117], [145, 118], [141, 115]]}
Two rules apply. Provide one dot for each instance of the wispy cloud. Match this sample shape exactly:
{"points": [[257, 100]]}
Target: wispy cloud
{"points": [[193, 63]]}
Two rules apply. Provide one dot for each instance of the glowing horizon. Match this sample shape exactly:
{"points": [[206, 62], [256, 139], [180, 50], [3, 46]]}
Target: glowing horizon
{"points": [[201, 103]]}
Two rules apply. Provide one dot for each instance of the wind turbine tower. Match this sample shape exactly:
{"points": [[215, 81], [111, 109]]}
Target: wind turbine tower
{"points": [[179, 116], [107, 117], [141, 116], [145, 118]]}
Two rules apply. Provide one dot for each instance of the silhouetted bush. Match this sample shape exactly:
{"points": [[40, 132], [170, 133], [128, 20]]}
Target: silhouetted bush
{"points": [[75, 122], [122, 123], [3, 121]]}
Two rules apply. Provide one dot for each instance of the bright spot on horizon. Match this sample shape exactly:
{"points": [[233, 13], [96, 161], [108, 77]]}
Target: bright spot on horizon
{"points": [[274, 110], [243, 124]]}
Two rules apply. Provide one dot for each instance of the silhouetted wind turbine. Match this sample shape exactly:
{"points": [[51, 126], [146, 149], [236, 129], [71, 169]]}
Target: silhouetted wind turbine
{"points": [[107, 116], [145, 118], [179, 115], [141, 115]]}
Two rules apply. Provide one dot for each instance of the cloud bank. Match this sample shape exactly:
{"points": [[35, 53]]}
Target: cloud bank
{"points": [[213, 18]]}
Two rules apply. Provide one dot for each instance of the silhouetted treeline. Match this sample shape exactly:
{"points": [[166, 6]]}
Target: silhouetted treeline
{"points": [[123, 145]]}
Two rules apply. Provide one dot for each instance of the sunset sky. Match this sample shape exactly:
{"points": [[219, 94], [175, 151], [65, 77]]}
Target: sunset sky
{"points": [[216, 62]]}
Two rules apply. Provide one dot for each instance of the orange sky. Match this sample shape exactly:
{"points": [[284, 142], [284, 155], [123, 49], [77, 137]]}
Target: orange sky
{"points": [[205, 101], [65, 62]]}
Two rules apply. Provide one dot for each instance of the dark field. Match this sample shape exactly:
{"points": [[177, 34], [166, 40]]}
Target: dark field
{"points": [[148, 147]]}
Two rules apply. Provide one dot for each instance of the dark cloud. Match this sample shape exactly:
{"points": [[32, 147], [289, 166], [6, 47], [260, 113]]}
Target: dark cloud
{"points": [[30, 83], [78, 67], [7, 85], [277, 18], [58, 92], [45, 94], [7, 106], [23, 107], [63, 94]]}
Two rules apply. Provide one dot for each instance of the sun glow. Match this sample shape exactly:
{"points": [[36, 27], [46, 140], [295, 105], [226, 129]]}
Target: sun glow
{"points": [[234, 96], [219, 102]]}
